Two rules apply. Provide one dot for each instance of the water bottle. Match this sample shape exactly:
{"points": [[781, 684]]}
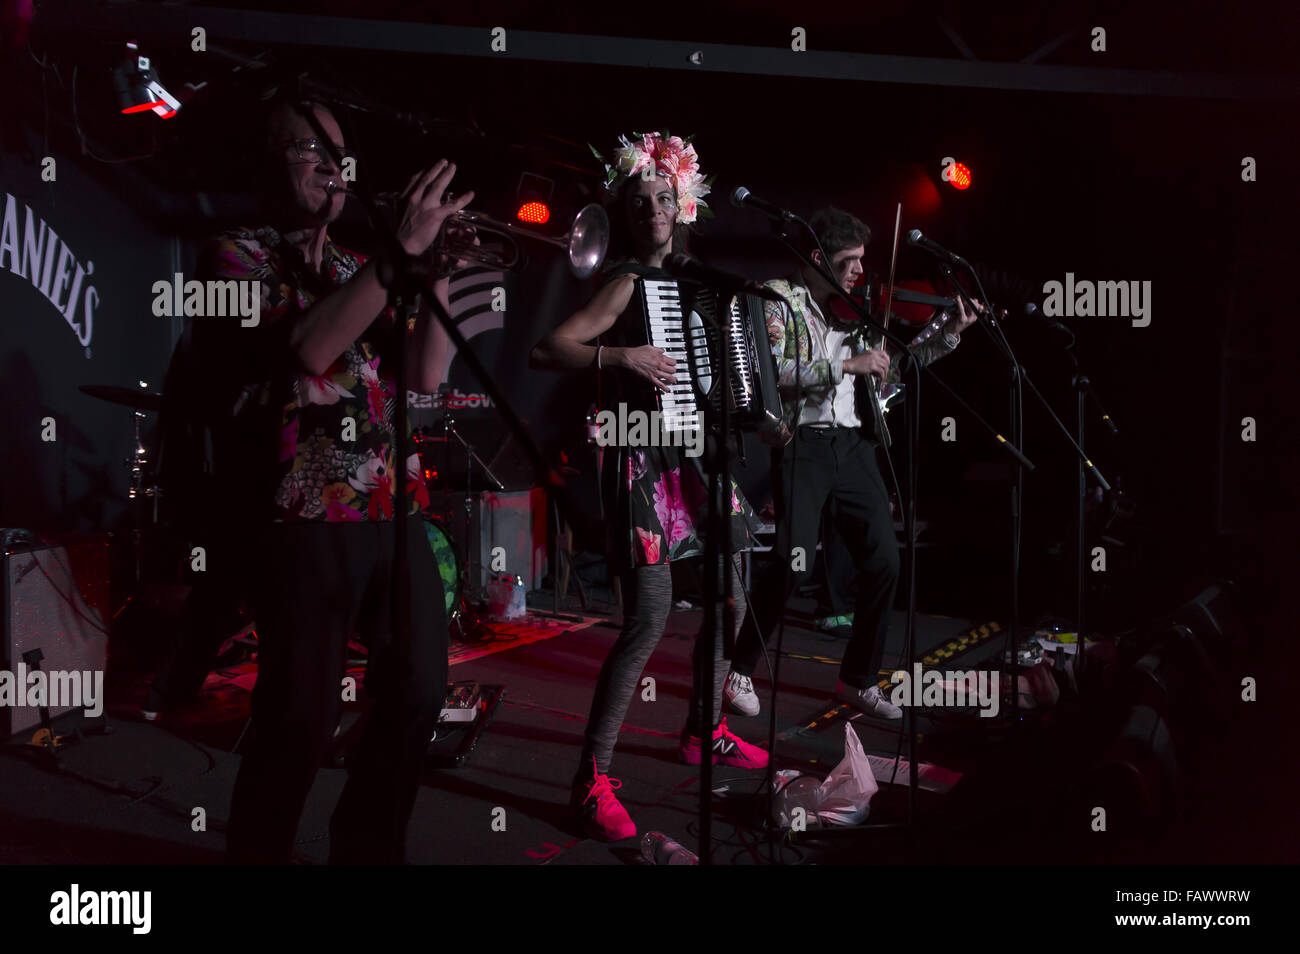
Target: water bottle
{"points": [[658, 849], [518, 607]]}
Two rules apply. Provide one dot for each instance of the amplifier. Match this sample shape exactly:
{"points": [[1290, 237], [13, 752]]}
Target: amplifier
{"points": [[56, 601]]}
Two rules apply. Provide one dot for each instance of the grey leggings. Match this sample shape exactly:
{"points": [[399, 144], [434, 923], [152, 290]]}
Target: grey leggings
{"points": [[647, 599]]}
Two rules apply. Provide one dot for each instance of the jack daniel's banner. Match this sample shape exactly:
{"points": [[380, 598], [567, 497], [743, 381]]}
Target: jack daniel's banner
{"points": [[76, 263]]}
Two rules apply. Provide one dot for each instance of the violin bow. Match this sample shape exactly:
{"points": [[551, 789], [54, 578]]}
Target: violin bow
{"points": [[888, 302]]}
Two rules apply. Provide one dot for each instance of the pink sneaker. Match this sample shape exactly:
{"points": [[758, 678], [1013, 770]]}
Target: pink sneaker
{"points": [[728, 749], [603, 817]]}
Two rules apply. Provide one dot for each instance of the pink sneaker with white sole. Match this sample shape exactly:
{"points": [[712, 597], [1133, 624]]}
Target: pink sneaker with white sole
{"points": [[728, 749], [603, 816]]}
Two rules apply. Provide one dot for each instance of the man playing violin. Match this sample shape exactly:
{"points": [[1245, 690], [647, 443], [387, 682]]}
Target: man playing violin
{"points": [[828, 456]]}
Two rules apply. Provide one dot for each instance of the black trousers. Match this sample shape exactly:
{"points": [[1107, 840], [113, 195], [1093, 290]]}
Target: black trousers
{"points": [[835, 465], [838, 565], [318, 583], [212, 614]]}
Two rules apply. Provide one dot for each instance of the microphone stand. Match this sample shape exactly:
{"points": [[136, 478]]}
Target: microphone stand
{"points": [[1082, 390], [1020, 379], [782, 227], [717, 548]]}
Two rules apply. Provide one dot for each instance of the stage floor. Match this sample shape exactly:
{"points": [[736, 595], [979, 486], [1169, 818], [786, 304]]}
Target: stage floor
{"points": [[130, 797]]}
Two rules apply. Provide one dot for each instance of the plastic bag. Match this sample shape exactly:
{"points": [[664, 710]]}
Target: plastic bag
{"points": [[845, 796]]}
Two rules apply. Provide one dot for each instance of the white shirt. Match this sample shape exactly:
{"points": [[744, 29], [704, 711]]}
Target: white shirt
{"points": [[834, 405]]}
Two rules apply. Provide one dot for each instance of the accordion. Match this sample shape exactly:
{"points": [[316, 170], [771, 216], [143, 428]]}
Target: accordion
{"points": [[688, 321]]}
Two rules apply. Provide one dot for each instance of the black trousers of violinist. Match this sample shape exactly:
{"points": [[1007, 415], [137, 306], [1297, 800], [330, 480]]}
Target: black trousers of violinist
{"points": [[835, 465]]}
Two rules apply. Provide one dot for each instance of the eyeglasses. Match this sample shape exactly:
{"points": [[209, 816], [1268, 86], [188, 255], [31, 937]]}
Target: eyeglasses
{"points": [[313, 150]]}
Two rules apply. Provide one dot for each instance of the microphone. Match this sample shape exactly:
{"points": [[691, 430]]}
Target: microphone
{"points": [[915, 237], [1033, 311], [742, 198], [681, 265]]}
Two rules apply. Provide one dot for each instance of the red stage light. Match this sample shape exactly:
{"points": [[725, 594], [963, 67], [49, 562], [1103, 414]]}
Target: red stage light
{"points": [[960, 176], [534, 213]]}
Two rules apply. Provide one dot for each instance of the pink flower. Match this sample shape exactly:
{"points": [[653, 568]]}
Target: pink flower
{"points": [[415, 485], [341, 512], [688, 164], [375, 389], [670, 507], [652, 144], [289, 441], [649, 545]]}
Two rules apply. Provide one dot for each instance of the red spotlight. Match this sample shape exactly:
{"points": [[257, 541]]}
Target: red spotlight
{"points": [[959, 176], [534, 213]]}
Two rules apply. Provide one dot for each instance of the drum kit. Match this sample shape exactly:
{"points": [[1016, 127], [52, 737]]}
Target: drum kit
{"points": [[142, 402], [442, 449], [471, 237]]}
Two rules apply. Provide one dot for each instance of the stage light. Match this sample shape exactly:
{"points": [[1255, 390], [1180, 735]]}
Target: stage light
{"points": [[959, 175], [534, 213], [532, 199], [138, 88]]}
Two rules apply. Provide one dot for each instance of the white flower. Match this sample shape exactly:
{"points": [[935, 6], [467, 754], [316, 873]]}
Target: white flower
{"points": [[370, 474], [321, 390]]}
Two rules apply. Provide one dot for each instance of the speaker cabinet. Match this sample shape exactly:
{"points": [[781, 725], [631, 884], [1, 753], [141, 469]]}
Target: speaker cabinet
{"points": [[55, 601]]}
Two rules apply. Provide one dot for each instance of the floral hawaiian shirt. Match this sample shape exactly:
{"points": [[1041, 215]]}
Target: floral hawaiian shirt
{"points": [[798, 335], [326, 447]]}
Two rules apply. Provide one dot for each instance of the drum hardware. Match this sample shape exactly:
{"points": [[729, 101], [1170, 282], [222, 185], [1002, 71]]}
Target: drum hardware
{"points": [[142, 401], [460, 607]]}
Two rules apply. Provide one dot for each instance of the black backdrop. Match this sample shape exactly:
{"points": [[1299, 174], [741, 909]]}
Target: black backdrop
{"points": [[1107, 187]]}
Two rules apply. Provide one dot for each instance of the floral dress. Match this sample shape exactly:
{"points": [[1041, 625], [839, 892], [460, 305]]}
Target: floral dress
{"points": [[656, 498]]}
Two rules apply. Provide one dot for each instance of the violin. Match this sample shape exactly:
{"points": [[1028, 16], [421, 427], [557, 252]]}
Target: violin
{"points": [[917, 302], [930, 304]]}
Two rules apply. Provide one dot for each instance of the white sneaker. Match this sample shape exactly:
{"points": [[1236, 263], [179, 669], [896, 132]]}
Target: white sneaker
{"points": [[870, 701], [739, 694]]}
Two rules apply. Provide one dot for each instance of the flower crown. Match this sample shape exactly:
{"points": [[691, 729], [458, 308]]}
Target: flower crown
{"points": [[671, 157]]}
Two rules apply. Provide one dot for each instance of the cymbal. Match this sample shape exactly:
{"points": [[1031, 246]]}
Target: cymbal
{"points": [[130, 397]]}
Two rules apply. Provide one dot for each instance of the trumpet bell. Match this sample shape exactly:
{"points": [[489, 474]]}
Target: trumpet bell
{"points": [[588, 240]]}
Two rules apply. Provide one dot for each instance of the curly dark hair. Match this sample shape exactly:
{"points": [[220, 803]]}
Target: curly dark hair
{"points": [[838, 230]]}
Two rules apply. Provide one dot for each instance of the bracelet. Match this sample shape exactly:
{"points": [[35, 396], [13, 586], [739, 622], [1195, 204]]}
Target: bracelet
{"points": [[599, 348]]}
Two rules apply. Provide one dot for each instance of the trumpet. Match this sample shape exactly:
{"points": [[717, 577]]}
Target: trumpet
{"points": [[463, 236], [585, 243]]}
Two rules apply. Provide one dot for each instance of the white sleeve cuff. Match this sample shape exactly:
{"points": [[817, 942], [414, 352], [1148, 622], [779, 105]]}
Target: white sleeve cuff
{"points": [[837, 370]]}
